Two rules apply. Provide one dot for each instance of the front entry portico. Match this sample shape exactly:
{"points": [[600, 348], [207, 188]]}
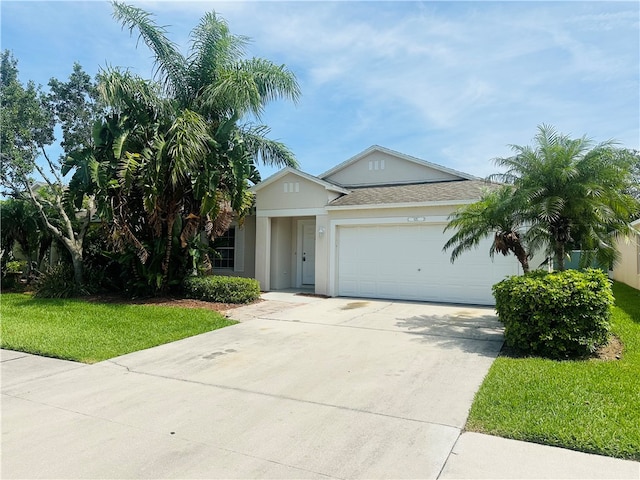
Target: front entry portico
{"points": [[292, 252], [292, 231]]}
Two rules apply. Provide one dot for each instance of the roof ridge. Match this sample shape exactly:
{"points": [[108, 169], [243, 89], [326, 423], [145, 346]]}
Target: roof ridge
{"points": [[386, 185], [408, 184]]}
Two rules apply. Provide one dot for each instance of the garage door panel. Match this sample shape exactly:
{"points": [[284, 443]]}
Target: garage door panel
{"points": [[368, 269], [407, 262]]}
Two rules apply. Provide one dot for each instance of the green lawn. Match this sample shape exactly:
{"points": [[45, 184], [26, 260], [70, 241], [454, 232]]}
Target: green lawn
{"points": [[592, 406], [92, 332]]}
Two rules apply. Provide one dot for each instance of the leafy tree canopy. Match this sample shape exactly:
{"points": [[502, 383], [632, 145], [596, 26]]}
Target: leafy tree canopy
{"points": [[28, 118]]}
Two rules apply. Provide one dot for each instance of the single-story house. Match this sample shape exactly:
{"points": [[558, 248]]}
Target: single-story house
{"points": [[372, 226], [627, 270]]}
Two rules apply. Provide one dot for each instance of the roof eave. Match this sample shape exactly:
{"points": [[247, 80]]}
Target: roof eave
{"points": [[373, 206], [281, 173]]}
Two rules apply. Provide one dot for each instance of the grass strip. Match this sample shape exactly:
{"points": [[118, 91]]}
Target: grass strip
{"points": [[590, 405], [74, 329]]}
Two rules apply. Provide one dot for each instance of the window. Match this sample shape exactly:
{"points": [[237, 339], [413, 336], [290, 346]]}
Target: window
{"points": [[225, 248]]}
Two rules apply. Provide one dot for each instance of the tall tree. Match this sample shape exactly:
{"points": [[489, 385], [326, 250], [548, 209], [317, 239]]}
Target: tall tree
{"points": [[575, 191], [177, 149], [27, 129]]}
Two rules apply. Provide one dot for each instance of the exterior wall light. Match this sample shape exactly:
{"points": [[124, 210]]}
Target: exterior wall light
{"points": [[321, 231]]}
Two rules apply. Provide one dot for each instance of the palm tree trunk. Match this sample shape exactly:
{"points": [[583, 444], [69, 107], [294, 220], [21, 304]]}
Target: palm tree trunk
{"points": [[171, 219], [522, 257], [560, 256]]}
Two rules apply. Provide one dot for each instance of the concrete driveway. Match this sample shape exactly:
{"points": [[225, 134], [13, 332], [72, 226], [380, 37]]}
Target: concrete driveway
{"points": [[302, 388]]}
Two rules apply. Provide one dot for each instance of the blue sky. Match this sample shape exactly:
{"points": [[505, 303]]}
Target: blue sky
{"points": [[453, 83]]}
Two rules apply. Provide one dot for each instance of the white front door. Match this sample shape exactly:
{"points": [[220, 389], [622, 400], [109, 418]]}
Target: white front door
{"points": [[308, 250]]}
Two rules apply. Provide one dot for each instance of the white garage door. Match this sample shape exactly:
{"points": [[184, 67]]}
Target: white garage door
{"points": [[407, 262]]}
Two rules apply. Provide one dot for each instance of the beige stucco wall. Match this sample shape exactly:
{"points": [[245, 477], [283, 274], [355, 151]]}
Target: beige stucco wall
{"points": [[379, 168], [300, 193], [628, 269]]}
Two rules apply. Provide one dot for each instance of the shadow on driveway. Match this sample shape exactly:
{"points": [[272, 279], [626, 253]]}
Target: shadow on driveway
{"points": [[456, 332]]}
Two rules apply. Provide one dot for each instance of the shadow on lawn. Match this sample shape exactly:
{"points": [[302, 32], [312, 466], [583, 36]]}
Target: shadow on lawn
{"points": [[627, 300], [30, 300]]}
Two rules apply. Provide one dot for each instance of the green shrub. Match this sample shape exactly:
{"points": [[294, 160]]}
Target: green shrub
{"points": [[15, 266], [11, 271], [222, 289], [556, 315], [57, 282]]}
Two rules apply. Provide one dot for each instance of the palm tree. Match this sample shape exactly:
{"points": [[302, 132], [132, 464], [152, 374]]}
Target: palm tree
{"points": [[497, 213], [575, 193], [215, 80], [171, 156]]}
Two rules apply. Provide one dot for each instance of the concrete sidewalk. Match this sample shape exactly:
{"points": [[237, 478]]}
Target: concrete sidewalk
{"points": [[303, 388], [487, 457]]}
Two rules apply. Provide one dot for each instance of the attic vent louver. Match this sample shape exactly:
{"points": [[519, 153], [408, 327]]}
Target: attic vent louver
{"points": [[376, 164], [291, 187]]}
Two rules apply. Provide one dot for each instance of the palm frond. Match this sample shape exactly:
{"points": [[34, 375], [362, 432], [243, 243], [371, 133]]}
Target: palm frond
{"points": [[187, 146], [248, 86], [169, 63], [214, 49], [273, 82], [267, 151], [124, 91]]}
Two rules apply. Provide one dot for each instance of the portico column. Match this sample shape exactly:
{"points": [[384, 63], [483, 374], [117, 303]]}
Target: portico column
{"points": [[263, 252]]}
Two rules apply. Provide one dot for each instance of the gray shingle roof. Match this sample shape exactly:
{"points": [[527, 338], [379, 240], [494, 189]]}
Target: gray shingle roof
{"points": [[415, 193]]}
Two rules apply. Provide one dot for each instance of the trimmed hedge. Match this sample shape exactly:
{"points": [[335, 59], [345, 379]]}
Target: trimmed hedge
{"points": [[214, 288], [556, 315]]}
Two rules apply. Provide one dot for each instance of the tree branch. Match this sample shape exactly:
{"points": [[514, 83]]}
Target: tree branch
{"points": [[40, 208], [53, 170]]}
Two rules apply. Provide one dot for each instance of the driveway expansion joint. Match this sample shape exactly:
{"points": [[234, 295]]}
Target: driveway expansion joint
{"points": [[14, 358], [451, 452], [119, 365], [292, 399]]}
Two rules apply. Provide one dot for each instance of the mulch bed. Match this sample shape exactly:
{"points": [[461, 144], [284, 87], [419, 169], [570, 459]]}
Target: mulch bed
{"points": [[612, 350], [164, 302]]}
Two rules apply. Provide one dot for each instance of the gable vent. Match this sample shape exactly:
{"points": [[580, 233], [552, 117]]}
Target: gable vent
{"points": [[291, 187], [376, 164]]}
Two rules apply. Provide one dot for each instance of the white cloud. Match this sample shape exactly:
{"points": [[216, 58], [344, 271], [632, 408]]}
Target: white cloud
{"points": [[452, 82]]}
